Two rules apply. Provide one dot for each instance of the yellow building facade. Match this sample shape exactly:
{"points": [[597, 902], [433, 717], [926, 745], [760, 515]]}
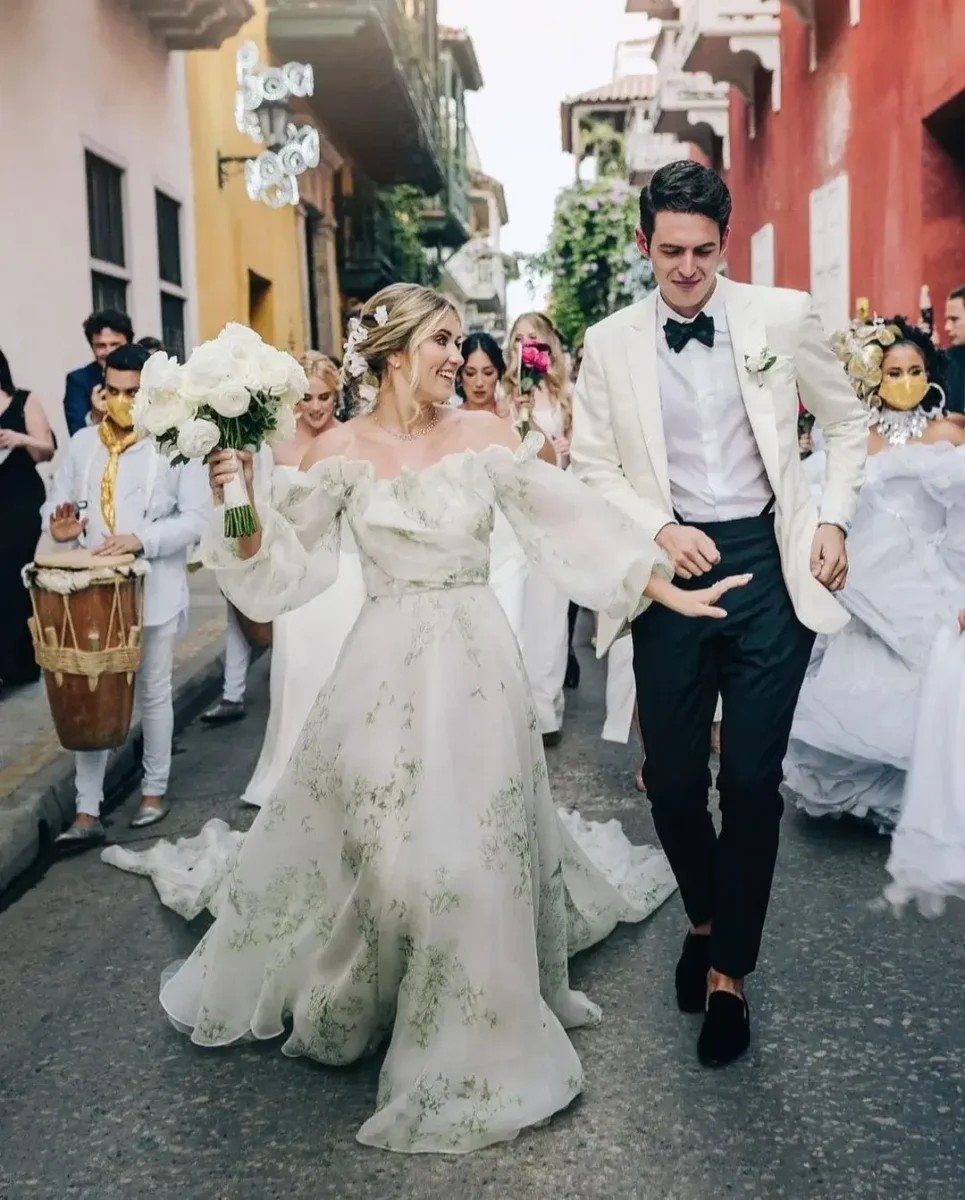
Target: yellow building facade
{"points": [[272, 269]]}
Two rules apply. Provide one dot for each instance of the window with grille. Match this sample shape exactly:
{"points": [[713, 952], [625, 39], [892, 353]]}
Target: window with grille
{"points": [[108, 292], [168, 238], [170, 273], [172, 325], [105, 227], [105, 210]]}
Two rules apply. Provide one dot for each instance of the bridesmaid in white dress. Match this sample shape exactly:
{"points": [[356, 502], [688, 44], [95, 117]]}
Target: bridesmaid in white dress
{"points": [[408, 883], [478, 386], [323, 623], [545, 624]]}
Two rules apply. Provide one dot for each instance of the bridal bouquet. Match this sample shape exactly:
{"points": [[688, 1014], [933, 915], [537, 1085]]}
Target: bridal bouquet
{"points": [[233, 393], [534, 365]]}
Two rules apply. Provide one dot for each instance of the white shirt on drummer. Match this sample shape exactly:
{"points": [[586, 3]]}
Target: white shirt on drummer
{"points": [[715, 466], [168, 508]]}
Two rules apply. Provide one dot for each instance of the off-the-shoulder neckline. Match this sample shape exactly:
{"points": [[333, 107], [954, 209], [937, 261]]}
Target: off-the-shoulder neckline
{"points": [[528, 449]]}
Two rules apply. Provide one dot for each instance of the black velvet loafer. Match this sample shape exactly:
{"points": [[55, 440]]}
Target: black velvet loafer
{"points": [[726, 1032]]}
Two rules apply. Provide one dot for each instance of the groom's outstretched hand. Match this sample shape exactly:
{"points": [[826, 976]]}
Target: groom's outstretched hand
{"points": [[691, 552], [829, 558]]}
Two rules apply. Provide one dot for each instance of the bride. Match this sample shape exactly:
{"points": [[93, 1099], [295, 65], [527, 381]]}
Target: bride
{"points": [[409, 882]]}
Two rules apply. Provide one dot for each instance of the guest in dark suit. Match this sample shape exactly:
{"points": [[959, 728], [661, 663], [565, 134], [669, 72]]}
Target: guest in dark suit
{"points": [[105, 331], [955, 367]]}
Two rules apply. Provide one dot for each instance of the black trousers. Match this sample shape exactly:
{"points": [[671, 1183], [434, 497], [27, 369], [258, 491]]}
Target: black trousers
{"points": [[755, 660]]}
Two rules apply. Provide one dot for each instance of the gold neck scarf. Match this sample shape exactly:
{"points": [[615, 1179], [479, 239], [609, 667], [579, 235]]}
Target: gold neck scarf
{"points": [[117, 441]]}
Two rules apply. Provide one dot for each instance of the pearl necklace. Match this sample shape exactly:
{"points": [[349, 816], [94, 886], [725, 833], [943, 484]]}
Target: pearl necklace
{"points": [[409, 437], [898, 428]]}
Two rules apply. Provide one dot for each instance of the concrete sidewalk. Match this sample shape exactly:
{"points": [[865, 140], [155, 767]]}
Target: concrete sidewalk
{"points": [[37, 774]]}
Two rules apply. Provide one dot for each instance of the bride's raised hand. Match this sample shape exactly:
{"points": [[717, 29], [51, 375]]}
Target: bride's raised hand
{"points": [[702, 602], [223, 466]]}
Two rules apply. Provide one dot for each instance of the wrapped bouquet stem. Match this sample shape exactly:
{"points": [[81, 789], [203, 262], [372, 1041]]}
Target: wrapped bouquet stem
{"points": [[233, 393]]}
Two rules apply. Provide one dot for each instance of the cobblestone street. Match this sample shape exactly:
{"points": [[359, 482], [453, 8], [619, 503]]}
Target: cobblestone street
{"points": [[853, 1087]]}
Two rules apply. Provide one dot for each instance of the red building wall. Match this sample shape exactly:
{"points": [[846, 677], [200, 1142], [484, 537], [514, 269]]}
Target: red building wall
{"points": [[886, 104]]}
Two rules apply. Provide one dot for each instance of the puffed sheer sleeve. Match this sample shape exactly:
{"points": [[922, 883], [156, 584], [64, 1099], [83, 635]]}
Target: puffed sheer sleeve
{"points": [[587, 546], [300, 543]]}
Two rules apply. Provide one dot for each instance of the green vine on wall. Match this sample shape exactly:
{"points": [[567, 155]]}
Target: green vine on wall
{"points": [[591, 260], [405, 207]]}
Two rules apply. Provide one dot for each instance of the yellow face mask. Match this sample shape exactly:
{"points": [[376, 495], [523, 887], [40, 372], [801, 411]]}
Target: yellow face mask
{"points": [[120, 409], [904, 393]]}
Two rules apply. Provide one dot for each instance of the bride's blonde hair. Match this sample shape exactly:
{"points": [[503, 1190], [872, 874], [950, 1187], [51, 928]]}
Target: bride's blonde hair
{"points": [[398, 320], [557, 381]]}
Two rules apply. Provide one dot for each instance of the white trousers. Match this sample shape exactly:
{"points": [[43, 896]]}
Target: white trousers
{"points": [[237, 660], [154, 707], [545, 644]]}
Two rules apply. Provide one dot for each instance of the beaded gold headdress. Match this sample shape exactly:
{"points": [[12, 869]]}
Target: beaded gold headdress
{"points": [[861, 348]]}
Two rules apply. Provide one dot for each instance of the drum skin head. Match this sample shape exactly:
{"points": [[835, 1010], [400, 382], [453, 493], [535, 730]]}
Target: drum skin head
{"points": [[81, 560]]}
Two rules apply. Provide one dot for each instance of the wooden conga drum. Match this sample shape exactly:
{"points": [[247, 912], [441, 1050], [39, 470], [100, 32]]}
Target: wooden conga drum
{"points": [[86, 631]]}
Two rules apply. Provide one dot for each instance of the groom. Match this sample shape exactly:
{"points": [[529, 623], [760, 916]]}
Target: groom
{"points": [[686, 416]]}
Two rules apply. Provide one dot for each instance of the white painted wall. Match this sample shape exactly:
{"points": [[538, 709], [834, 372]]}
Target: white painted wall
{"points": [[77, 75]]}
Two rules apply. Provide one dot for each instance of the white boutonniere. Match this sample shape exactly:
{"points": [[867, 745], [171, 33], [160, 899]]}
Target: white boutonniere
{"points": [[757, 364]]}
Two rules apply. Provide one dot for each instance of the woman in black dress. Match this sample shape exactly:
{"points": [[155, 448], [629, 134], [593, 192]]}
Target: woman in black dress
{"points": [[25, 440]]}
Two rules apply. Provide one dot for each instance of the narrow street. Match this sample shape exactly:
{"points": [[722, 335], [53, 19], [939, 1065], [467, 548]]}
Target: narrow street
{"points": [[853, 1088]]}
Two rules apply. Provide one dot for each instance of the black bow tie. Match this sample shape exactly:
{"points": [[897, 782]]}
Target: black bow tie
{"points": [[679, 333]]}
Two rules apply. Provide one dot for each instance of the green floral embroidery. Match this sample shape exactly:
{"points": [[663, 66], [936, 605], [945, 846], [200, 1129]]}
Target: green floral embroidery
{"points": [[506, 846]]}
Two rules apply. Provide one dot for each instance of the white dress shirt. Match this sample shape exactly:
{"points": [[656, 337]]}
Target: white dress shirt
{"points": [[166, 507], [715, 466]]}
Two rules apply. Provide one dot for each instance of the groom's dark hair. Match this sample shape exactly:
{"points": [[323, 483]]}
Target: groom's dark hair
{"points": [[685, 187]]}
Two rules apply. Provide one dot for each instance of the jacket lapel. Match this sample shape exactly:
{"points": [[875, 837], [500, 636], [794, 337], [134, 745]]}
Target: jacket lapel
{"points": [[642, 365], [748, 335]]}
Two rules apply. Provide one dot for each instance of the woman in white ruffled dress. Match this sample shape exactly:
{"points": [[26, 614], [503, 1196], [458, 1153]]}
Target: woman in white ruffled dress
{"points": [[851, 741], [298, 674], [546, 636], [478, 387], [410, 882]]}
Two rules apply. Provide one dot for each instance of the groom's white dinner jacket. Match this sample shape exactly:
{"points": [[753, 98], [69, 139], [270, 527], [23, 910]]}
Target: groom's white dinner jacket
{"points": [[619, 445]]}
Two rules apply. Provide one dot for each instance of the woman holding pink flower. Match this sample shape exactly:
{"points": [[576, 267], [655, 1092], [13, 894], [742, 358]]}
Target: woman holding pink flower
{"points": [[538, 387]]}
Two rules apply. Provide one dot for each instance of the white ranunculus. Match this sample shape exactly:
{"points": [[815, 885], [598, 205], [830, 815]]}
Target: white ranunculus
{"points": [[198, 437], [234, 332], [284, 429], [297, 379], [272, 370], [229, 399], [164, 411], [161, 373]]}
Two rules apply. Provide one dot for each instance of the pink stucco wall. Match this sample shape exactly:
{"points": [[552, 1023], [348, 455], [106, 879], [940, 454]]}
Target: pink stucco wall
{"points": [[78, 75]]}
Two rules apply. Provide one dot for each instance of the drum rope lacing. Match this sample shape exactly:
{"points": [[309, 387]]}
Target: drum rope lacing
{"points": [[63, 659]]}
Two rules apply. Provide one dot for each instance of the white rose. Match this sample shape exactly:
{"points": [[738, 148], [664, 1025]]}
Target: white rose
{"points": [[272, 369], [162, 412], [284, 429], [233, 332], [161, 373], [196, 438], [229, 399], [297, 379]]}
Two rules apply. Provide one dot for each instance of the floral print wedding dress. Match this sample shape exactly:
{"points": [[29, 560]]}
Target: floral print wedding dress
{"points": [[410, 881]]}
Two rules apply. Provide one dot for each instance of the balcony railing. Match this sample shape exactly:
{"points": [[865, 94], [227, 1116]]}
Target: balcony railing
{"points": [[375, 88], [193, 24], [731, 40]]}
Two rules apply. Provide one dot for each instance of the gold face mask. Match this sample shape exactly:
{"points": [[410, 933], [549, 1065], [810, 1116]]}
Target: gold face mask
{"points": [[904, 393], [120, 409]]}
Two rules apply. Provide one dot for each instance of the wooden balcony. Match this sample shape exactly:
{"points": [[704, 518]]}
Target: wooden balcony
{"points": [[375, 81], [193, 24], [661, 10], [694, 108], [370, 256]]}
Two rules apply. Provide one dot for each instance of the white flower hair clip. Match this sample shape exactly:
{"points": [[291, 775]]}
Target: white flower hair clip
{"points": [[356, 363], [381, 315]]}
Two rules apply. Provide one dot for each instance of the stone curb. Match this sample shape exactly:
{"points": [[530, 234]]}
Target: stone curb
{"points": [[37, 811]]}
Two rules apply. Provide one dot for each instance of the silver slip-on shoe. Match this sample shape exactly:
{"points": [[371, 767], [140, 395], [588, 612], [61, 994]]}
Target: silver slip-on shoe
{"points": [[149, 814], [224, 712], [81, 837]]}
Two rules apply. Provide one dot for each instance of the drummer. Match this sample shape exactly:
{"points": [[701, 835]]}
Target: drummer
{"points": [[115, 494]]}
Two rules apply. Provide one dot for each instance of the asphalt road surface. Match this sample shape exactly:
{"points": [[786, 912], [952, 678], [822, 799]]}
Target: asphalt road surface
{"points": [[853, 1088]]}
